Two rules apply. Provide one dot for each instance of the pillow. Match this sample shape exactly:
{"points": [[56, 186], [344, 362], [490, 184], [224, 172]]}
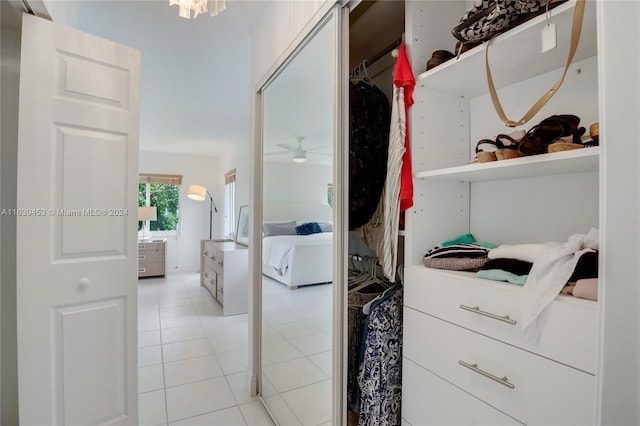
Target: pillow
{"points": [[308, 228], [326, 226], [270, 229]]}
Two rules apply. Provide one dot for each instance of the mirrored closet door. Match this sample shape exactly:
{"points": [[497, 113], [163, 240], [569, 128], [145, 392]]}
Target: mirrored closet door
{"points": [[299, 216]]}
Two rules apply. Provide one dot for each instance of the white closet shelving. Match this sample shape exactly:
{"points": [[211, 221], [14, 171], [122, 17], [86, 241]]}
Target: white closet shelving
{"points": [[525, 200]]}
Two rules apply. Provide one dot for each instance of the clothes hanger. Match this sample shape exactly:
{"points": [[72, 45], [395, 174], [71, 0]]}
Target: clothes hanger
{"points": [[361, 74]]}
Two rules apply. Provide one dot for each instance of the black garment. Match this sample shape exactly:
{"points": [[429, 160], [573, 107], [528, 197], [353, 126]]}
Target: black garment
{"points": [[515, 266], [587, 267], [369, 126]]}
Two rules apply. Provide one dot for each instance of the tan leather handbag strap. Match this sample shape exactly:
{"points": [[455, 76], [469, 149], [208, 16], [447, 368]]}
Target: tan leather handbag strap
{"points": [[578, 16]]}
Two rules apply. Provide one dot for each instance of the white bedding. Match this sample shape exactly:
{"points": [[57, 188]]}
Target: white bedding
{"points": [[292, 259]]}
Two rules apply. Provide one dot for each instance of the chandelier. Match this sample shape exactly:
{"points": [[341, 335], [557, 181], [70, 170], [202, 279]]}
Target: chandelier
{"points": [[198, 7]]}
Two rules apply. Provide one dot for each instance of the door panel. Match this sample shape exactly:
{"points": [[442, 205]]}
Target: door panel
{"points": [[77, 228], [89, 335]]}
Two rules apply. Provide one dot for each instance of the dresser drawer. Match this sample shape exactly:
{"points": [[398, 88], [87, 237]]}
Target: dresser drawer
{"points": [[150, 256], [209, 281], [429, 400], [150, 269], [220, 291], [214, 258], [151, 246], [544, 391], [567, 326]]}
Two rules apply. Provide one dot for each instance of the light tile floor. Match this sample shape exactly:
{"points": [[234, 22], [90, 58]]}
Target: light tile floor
{"points": [[296, 352], [191, 358]]}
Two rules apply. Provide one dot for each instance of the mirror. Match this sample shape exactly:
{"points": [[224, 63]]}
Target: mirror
{"points": [[297, 245]]}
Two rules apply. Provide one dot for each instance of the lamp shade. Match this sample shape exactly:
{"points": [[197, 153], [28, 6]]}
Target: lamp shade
{"points": [[147, 213], [197, 192], [300, 157]]}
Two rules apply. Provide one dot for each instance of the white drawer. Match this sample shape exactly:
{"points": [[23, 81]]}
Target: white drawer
{"points": [[545, 392], [429, 400], [567, 326]]}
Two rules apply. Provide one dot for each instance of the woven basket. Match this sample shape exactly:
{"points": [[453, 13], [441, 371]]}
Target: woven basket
{"points": [[456, 263]]}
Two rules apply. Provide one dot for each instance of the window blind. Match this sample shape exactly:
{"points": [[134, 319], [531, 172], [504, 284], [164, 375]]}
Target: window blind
{"points": [[230, 176], [160, 179]]}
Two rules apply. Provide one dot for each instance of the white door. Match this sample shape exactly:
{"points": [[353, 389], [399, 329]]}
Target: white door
{"points": [[77, 228]]}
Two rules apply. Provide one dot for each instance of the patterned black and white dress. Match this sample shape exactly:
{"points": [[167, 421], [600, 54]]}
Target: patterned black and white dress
{"points": [[380, 375]]}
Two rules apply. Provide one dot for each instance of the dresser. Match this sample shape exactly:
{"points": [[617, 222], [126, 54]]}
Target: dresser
{"points": [[224, 272], [151, 258]]}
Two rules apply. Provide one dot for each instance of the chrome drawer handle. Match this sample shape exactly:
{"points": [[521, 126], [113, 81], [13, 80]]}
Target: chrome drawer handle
{"points": [[205, 274], [142, 247], [212, 258], [205, 253], [142, 269], [141, 256], [474, 367], [477, 310]]}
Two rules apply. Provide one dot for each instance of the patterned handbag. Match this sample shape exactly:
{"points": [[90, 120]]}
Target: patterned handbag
{"points": [[488, 18]]}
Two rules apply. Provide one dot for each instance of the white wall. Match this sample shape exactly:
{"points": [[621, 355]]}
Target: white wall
{"points": [[10, 80], [296, 183], [183, 251]]}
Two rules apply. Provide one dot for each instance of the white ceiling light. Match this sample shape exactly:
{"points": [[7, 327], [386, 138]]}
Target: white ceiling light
{"points": [[300, 156], [198, 7]]}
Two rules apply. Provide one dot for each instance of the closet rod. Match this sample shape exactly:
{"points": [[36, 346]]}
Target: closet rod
{"points": [[384, 51]]}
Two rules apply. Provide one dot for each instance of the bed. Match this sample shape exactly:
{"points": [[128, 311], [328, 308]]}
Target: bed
{"points": [[297, 260]]}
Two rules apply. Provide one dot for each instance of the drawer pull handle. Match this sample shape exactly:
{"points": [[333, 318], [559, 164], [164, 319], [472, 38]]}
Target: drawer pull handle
{"points": [[142, 247], [205, 253], [141, 256], [474, 367], [477, 310], [142, 270]]}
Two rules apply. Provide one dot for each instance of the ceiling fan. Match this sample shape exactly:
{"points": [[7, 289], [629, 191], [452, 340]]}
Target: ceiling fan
{"points": [[299, 153]]}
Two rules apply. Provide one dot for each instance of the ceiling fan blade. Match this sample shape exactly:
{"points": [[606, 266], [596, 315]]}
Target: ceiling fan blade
{"points": [[321, 153], [277, 153], [317, 147], [285, 146]]}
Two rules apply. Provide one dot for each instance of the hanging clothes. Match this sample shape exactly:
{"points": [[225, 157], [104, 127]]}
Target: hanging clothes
{"points": [[381, 232], [380, 372], [369, 121], [403, 77]]}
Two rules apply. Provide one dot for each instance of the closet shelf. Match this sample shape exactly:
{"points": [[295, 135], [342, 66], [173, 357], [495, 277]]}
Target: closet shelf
{"points": [[516, 55], [574, 161]]}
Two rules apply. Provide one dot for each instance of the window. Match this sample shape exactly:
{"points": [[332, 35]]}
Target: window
{"points": [[163, 193], [229, 202], [330, 194]]}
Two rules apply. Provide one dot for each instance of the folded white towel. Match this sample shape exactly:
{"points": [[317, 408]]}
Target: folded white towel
{"points": [[524, 252], [551, 270]]}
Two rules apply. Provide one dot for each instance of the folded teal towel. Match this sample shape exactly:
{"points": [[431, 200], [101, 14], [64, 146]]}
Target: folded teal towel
{"points": [[462, 239], [500, 275], [467, 239]]}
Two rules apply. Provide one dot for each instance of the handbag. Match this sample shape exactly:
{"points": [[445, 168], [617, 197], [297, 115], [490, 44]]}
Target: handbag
{"points": [[488, 18], [576, 29]]}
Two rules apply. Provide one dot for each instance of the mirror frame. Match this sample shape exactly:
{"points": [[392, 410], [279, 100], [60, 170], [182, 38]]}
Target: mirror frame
{"points": [[331, 13]]}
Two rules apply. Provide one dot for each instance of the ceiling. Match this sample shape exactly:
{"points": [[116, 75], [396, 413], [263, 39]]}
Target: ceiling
{"points": [[195, 79]]}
